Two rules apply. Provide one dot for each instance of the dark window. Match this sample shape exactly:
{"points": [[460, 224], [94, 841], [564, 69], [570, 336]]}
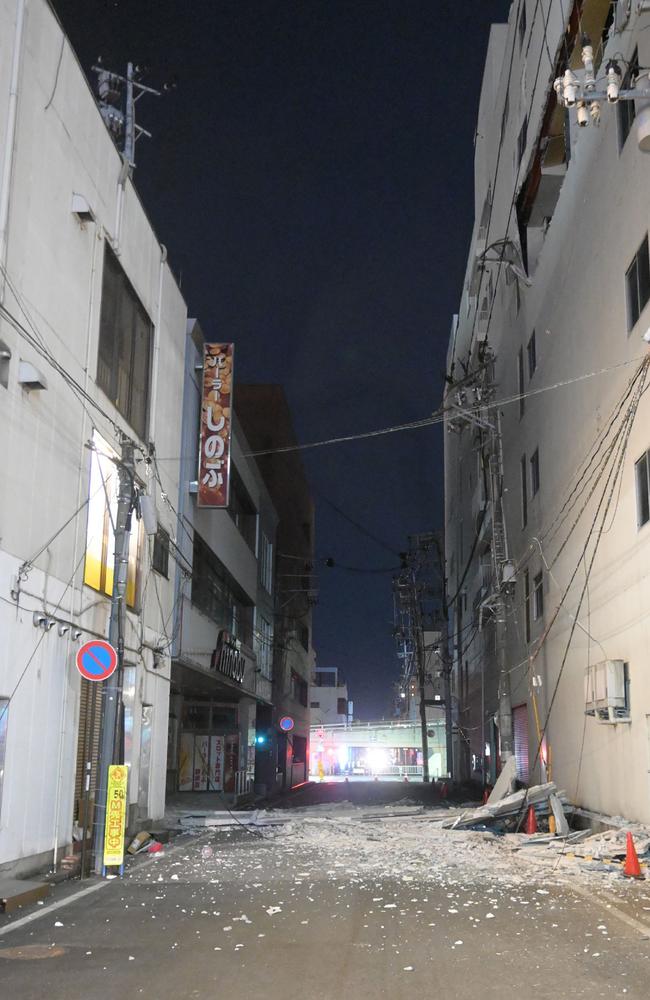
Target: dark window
{"points": [[325, 678], [524, 491], [299, 746], [303, 636], [527, 604], [242, 510], [534, 473], [538, 596], [522, 24], [521, 140], [314, 704], [123, 361], [341, 706], [216, 594], [160, 557], [626, 110], [520, 380], [299, 689], [504, 117], [637, 283], [642, 473], [532, 355]]}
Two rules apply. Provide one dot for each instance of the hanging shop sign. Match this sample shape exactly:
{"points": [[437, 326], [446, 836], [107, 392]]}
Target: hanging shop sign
{"points": [[115, 815], [227, 658], [216, 426]]}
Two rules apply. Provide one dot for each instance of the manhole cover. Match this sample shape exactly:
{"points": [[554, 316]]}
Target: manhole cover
{"points": [[31, 952]]}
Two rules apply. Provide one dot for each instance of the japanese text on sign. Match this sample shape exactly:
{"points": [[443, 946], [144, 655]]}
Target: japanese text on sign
{"points": [[216, 425], [115, 815]]}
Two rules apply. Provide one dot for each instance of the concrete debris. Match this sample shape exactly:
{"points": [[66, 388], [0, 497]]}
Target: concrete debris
{"points": [[510, 805], [505, 783], [612, 843]]}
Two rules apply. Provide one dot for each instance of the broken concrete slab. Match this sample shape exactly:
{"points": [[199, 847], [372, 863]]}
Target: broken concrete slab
{"points": [[505, 783], [510, 805], [561, 824]]}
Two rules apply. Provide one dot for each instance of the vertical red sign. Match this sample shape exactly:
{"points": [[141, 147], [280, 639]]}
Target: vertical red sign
{"points": [[216, 425]]}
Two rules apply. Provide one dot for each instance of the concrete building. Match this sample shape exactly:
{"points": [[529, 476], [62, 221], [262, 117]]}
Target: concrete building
{"points": [[547, 443], [225, 604], [266, 420], [377, 749], [92, 335], [328, 698]]}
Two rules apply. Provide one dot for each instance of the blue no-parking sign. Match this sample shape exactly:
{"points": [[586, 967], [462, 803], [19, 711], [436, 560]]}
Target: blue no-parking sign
{"points": [[96, 660]]}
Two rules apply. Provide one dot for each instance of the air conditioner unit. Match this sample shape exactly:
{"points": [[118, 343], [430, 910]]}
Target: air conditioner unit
{"points": [[605, 696]]}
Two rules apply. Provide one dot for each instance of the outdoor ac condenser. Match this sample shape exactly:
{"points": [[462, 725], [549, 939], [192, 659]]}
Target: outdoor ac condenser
{"points": [[605, 689]]}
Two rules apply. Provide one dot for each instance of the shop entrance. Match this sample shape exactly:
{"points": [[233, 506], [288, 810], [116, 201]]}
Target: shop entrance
{"points": [[209, 748]]}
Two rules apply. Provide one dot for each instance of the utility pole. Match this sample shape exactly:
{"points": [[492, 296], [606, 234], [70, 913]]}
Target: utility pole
{"points": [[472, 394], [421, 667], [111, 748]]}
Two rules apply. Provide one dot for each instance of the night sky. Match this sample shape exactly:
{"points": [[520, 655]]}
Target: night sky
{"points": [[312, 179]]}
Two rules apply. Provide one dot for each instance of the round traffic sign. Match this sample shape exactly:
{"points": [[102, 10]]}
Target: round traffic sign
{"points": [[286, 723], [96, 660]]}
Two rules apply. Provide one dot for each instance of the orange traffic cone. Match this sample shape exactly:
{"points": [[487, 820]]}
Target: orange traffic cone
{"points": [[531, 820], [632, 867]]}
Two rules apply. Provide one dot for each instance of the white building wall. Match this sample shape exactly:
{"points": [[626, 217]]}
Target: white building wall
{"points": [[576, 305], [52, 289]]}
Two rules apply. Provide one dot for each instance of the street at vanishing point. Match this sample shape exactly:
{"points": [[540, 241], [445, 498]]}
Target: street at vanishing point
{"points": [[338, 900]]}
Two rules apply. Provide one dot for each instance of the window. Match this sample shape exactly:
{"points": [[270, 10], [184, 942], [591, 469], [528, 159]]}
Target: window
{"points": [[242, 510], [160, 557], [538, 596], [4, 719], [264, 647], [216, 594], [266, 563], [522, 24], [299, 689], [626, 110], [303, 637], [527, 604], [524, 491], [534, 473], [520, 381], [637, 283], [314, 704], [341, 706], [532, 355], [299, 747], [642, 475], [522, 138], [102, 508], [123, 363]]}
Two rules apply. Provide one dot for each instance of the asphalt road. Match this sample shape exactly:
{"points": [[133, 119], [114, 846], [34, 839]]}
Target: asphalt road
{"points": [[235, 914]]}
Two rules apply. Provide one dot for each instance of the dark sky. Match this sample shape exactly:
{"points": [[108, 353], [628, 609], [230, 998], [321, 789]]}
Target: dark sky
{"points": [[312, 178]]}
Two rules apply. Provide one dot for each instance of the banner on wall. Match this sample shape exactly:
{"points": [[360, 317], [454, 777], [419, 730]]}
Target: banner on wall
{"points": [[216, 425]]}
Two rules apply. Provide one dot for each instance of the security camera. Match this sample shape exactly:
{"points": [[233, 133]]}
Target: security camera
{"points": [[646, 336], [582, 114], [614, 77], [570, 88]]}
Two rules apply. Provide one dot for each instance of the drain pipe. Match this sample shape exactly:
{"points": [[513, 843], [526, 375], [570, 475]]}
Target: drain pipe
{"points": [[8, 159]]}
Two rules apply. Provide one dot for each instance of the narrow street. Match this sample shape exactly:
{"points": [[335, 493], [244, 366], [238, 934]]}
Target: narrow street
{"points": [[340, 901]]}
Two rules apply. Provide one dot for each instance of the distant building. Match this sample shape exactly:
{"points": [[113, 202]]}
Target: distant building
{"points": [[328, 698], [266, 421], [408, 690]]}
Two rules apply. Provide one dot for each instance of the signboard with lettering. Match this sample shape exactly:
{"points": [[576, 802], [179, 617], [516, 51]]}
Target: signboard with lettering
{"points": [[115, 815], [216, 426], [227, 658]]}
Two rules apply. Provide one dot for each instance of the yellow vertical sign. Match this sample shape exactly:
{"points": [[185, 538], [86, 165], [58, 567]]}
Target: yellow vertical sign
{"points": [[115, 815]]}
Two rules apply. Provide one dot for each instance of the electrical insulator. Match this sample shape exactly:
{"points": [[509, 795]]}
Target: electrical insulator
{"points": [[614, 78], [557, 87], [588, 63], [570, 85], [594, 111], [582, 114]]}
